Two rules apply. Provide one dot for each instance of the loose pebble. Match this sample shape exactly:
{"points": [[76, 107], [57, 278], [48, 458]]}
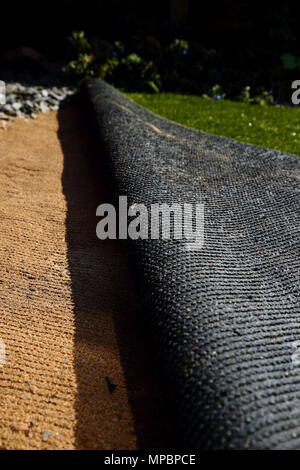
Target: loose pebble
{"points": [[26, 101]]}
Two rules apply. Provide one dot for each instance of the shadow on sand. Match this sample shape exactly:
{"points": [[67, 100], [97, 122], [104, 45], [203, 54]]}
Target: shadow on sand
{"points": [[119, 402]]}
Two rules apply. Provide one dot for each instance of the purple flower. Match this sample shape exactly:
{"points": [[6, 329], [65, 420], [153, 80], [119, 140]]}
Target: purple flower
{"points": [[218, 97]]}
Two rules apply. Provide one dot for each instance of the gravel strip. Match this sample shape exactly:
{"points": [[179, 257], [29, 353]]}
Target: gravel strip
{"points": [[27, 101]]}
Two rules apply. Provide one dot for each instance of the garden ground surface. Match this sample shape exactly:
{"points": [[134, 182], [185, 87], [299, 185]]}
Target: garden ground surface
{"points": [[274, 126], [76, 374]]}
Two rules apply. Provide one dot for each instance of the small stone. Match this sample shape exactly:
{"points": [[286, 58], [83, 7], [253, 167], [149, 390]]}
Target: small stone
{"points": [[33, 115], [46, 435], [31, 91], [9, 110], [28, 103], [21, 115], [10, 98], [3, 116], [43, 107], [56, 96], [51, 101], [11, 88], [44, 93], [17, 106]]}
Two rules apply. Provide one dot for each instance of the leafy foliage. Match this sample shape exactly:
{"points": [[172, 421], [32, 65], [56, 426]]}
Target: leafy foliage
{"points": [[127, 71], [146, 65]]}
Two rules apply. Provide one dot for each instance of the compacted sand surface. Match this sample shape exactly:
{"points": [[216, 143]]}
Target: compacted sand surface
{"points": [[78, 371]]}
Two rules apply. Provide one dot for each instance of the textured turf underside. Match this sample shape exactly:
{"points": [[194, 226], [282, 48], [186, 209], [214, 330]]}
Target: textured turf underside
{"points": [[225, 318]]}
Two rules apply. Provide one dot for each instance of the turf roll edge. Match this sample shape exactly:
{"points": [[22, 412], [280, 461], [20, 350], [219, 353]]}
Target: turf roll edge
{"points": [[225, 318]]}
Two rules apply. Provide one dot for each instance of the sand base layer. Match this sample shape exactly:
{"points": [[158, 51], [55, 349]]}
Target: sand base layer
{"points": [[78, 371]]}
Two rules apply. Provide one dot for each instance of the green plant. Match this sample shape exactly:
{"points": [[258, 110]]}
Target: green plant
{"points": [[107, 69], [144, 64], [81, 66], [262, 98], [244, 96], [79, 42], [125, 71], [217, 92], [179, 46]]}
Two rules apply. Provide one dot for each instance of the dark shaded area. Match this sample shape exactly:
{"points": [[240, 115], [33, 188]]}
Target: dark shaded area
{"points": [[232, 43], [107, 312], [223, 23]]}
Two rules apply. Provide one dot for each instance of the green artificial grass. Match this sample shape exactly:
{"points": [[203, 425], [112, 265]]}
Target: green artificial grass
{"points": [[273, 126]]}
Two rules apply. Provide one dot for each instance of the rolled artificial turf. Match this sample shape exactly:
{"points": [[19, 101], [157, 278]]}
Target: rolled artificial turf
{"points": [[224, 318], [276, 127]]}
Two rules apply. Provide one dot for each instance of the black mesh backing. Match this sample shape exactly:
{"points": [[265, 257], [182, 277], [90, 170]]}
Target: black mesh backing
{"points": [[225, 318]]}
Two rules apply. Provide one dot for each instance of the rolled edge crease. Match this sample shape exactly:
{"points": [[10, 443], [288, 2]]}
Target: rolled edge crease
{"points": [[224, 317]]}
